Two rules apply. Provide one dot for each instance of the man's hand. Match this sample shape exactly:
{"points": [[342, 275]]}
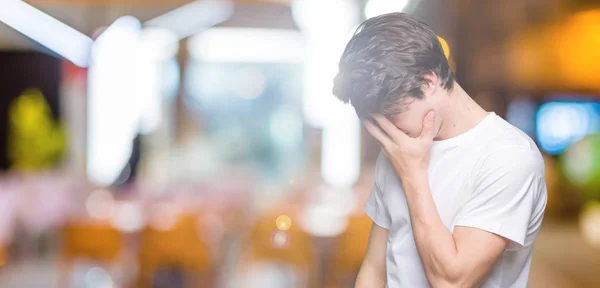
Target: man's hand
{"points": [[409, 156]]}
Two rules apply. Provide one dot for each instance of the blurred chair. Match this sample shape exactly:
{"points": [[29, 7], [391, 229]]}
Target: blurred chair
{"points": [[93, 240], [295, 252], [178, 247], [349, 252]]}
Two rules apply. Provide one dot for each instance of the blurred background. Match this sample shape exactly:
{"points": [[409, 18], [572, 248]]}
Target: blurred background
{"points": [[155, 143]]}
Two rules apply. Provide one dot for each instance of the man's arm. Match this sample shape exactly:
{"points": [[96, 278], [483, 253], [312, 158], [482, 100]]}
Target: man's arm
{"points": [[461, 259], [372, 272]]}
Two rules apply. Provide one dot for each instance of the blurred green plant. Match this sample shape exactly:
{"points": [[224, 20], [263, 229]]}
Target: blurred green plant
{"points": [[581, 166], [35, 141]]}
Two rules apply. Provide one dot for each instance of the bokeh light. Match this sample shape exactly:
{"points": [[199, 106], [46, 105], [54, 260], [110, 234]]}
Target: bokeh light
{"points": [[581, 163], [327, 213], [283, 222], [100, 204], [559, 124], [128, 217], [590, 223], [280, 239], [163, 216], [98, 278]]}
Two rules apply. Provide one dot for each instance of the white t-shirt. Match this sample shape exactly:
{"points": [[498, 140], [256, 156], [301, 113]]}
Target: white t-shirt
{"points": [[490, 178]]}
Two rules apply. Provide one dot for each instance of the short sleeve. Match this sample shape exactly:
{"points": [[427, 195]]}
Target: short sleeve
{"points": [[375, 207], [504, 192]]}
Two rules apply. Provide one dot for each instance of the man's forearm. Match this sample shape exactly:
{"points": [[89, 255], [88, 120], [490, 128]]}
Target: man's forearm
{"points": [[435, 243], [370, 276]]}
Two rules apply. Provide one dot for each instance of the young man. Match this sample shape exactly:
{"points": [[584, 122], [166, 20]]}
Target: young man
{"points": [[459, 194]]}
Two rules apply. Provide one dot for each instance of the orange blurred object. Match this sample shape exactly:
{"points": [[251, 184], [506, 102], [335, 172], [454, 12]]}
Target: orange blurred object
{"points": [[352, 245], [178, 245], [350, 250], [95, 240], [571, 47], [578, 50]]}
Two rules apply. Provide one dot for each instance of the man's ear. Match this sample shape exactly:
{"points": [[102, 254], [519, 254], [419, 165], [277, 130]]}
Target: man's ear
{"points": [[432, 83]]}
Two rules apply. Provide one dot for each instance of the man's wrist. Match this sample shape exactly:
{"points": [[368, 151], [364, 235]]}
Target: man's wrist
{"points": [[416, 182]]}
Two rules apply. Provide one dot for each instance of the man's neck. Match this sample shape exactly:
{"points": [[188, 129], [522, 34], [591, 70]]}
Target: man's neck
{"points": [[461, 115]]}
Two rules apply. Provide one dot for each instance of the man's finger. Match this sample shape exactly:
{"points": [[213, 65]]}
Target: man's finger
{"points": [[390, 129], [428, 132], [377, 133]]}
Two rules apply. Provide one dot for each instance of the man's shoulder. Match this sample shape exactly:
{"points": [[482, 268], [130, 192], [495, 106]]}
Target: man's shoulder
{"points": [[505, 143], [504, 150]]}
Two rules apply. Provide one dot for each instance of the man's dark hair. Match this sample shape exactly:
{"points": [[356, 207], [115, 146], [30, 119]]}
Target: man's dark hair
{"points": [[386, 61]]}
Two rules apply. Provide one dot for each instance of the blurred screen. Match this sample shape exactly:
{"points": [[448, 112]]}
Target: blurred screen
{"points": [[561, 123]]}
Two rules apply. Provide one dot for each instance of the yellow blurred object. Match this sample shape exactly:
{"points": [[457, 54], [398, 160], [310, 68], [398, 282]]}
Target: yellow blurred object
{"points": [[445, 47], [179, 246], [35, 140], [447, 53], [283, 222], [589, 223]]}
